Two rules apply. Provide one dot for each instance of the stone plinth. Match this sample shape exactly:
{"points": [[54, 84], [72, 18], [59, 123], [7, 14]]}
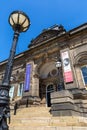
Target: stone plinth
{"points": [[63, 104]]}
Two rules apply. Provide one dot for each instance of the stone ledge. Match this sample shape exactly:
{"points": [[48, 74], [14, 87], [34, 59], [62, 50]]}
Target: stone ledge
{"points": [[65, 106], [62, 100], [66, 113], [61, 94], [80, 101], [49, 128]]}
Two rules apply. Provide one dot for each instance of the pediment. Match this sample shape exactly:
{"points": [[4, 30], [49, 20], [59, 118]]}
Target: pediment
{"points": [[47, 34]]}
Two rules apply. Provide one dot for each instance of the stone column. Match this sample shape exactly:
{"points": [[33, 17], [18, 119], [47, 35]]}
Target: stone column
{"points": [[35, 91]]}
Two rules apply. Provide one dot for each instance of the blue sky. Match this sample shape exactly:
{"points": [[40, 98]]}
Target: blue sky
{"points": [[42, 14]]}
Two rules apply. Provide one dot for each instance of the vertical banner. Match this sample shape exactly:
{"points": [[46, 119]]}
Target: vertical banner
{"points": [[68, 77], [27, 78]]}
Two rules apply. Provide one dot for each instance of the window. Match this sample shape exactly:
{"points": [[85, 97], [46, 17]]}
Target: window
{"points": [[84, 73], [11, 92], [20, 89]]}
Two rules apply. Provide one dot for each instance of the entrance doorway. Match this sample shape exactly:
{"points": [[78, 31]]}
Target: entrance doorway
{"points": [[50, 89]]}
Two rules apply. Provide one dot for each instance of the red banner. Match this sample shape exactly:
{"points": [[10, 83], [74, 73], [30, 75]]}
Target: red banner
{"points": [[68, 77]]}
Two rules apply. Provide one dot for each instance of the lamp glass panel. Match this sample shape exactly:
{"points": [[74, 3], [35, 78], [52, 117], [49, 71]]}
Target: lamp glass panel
{"points": [[26, 23], [58, 64], [21, 18], [15, 18], [11, 21], [25, 29]]}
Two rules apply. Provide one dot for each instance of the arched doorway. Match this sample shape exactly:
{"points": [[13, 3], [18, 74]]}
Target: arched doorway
{"points": [[50, 89], [48, 81], [46, 78]]}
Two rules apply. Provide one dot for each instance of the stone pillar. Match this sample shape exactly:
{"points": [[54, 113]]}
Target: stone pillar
{"points": [[28, 94], [33, 94], [79, 77], [35, 91], [35, 85]]}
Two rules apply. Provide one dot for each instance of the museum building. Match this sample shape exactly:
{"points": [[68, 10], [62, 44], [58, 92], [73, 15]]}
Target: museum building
{"points": [[53, 71]]}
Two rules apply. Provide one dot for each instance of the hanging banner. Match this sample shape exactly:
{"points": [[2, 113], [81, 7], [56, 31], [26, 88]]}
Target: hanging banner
{"points": [[68, 77], [27, 78]]}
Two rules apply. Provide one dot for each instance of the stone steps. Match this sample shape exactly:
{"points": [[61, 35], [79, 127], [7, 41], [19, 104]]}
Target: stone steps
{"points": [[46, 122], [32, 112], [48, 128], [39, 118]]}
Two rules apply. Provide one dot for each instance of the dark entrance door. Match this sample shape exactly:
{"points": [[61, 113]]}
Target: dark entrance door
{"points": [[48, 93]]}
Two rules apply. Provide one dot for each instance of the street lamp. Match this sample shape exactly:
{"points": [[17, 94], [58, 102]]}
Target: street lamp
{"points": [[20, 23], [58, 64], [60, 84]]}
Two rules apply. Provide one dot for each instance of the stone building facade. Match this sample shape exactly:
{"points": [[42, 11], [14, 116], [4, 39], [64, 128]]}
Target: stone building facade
{"points": [[47, 84]]}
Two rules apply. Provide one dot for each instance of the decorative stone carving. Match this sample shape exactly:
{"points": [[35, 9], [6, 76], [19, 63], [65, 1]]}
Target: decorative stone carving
{"points": [[48, 34]]}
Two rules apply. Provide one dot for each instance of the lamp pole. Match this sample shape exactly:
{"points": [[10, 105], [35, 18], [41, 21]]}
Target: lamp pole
{"points": [[60, 84], [20, 23]]}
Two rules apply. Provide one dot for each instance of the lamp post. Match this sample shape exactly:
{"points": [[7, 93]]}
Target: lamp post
{"points": [[20, 23], [60, 84]]}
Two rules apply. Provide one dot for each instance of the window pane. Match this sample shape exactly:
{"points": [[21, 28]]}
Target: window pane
{"points": [[20, 89], [85, 79], [84, 71], [11, 92]]}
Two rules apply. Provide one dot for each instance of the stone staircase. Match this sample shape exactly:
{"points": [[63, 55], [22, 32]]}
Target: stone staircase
{"points": [[39, 118]]}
